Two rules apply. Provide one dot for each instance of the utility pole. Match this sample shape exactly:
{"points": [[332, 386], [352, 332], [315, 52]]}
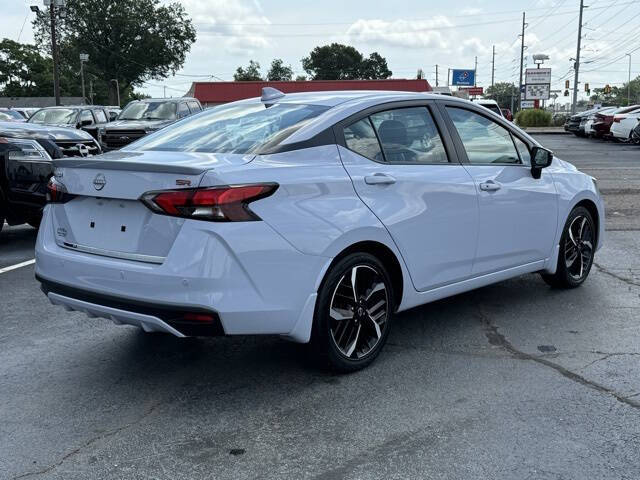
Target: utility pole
{"points": [[577, 64], [521, 62], [91, 91], [475, 74], [164, 89], [436, 75], [629, 81], [54, 52], [493, 65], [117, 89]]}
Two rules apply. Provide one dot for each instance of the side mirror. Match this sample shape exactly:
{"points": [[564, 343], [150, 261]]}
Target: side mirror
{"points": [[540, 158], [112, 116]]}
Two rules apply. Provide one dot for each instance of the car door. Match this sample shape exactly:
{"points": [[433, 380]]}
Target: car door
{"points": [[404, 168], [518, 213]]}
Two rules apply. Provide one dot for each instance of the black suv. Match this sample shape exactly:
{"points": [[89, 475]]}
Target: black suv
{"points": [[87, 117], [145, 116], [26, 151]]}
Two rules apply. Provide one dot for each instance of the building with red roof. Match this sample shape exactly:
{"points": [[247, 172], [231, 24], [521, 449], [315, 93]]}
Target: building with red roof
{"points": [[216, 93]]}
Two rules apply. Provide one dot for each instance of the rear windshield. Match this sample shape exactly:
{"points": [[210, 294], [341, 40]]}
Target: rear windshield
{"points": [[234, 128]]}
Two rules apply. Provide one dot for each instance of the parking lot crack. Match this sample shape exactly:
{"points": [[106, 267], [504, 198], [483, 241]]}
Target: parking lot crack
{"points": [[499, 340], [615, 275], [87, 444]]}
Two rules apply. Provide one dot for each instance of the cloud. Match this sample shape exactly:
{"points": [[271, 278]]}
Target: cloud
{"points": [[401, 33], [471, 11], [238, 26]]}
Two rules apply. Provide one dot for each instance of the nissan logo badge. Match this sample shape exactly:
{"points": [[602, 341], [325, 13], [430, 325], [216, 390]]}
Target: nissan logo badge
{"points": [[99, 182]]}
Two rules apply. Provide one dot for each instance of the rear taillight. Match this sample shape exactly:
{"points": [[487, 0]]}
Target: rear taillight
{"points": [[617, 119], [216, 204], [57, 192]]}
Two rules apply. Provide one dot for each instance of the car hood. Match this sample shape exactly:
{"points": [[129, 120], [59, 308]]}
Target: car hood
{"points": [[34, 130], [138, 124]]}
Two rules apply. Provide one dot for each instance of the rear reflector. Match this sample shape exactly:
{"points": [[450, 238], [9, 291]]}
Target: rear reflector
{"points": [[217, 204]]}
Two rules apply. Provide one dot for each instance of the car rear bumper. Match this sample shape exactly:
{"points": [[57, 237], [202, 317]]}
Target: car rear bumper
{"points": [[242, 274]]}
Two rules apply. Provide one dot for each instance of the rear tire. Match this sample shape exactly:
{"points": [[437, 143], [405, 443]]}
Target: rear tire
{"points": [[577, 248], [353, 314]]}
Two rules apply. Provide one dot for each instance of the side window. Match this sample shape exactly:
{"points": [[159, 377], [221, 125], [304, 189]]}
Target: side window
{"points": [[409, 135], [523, 150], [100, 116], [194, 107], [183, 110], [484, 140], [86, 115], [361, 138]]}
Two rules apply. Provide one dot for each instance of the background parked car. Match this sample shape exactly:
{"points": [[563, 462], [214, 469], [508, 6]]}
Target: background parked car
{"points": [[113, 112], [86, 117], [506, 113], [624, 123], [603, 120], [586, 123], [26, 151], [490, 104], [144, 116], [10, 115], [26, 112], [635, 134], [574, 122]]}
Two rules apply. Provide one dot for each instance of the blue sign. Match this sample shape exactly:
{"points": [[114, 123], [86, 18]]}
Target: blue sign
{"points": [[465, 78]]}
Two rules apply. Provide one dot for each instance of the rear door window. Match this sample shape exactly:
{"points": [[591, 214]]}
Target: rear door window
{"points": [[409, 135], [100, 116], [194, 107], [183, 110], [86, 115]]}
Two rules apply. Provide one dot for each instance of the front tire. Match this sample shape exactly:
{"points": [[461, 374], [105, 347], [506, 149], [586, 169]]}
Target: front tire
{"points": [[353, 314], [577, 248]]}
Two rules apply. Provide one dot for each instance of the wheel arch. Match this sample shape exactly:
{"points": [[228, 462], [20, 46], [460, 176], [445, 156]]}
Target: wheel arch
{"points": [[382, 252], [593, 210]]}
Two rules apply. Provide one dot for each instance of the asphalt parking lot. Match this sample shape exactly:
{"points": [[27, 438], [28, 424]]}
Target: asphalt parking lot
{"points": [[512, 381]]}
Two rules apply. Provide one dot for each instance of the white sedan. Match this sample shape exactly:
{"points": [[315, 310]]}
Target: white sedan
{"points": [[315, 216], [623, 125]]}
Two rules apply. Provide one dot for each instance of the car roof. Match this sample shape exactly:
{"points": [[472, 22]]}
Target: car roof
{"points": [[168, 100]]}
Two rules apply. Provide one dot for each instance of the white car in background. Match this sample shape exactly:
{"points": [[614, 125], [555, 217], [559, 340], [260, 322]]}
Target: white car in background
{"points": [[624, 124], [491, 105], [588, 125]]}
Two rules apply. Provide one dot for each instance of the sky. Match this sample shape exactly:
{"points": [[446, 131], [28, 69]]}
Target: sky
{"points": [[410, 34]]}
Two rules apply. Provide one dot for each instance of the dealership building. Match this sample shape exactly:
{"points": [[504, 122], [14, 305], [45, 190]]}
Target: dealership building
{"points": [[216, 93]]}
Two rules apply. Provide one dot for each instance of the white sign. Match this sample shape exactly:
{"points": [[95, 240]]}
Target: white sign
{"points": [[537, 76], [526, 104], [537, 92]]}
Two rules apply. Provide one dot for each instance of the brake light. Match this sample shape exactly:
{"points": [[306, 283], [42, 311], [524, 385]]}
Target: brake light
{"points": [[216, 204], [57, 192], [617, 119]]}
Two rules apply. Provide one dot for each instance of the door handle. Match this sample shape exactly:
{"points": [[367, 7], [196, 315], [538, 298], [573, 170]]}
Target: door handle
{"points": [[379, 179], [490, 186]]}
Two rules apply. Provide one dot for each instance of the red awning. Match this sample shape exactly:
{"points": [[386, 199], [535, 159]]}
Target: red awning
{"points": [[223, 92]]}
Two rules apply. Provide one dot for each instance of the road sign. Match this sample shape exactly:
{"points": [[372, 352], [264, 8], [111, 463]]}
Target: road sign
{"points": [[537, 76], [474, 90], [463, 78], [527, 104], [537, 92]]}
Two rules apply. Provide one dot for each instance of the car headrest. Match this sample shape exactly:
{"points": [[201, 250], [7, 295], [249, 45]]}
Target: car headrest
{"points": [[393, 131]]}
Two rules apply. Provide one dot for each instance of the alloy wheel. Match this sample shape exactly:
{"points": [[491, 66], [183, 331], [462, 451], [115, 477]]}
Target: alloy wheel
{"points": [[358, 311], [578, 250]]}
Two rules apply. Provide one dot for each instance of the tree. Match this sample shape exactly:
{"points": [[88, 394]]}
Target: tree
{"points": [[301, 78], [374, 67], [128, 40], [251, 73], [343, 62], [24, 72], [618, 95], [502, 92], [279, 71]]}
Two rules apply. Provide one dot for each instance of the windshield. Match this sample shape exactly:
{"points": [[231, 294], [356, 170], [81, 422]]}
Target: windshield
{"points": [[149, 111], [55, 116], [10, 115], [234, 128]]}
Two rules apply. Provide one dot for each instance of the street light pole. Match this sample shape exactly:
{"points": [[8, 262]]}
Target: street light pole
{"points": [[117, 89], [629, 81], [54, 52], [83, 58], [521, 61]]}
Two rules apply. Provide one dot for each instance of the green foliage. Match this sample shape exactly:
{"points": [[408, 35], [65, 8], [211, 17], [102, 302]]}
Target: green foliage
{"points": [[251, 73], [502, 92], [559, 120], [301, 78], [618, 95], [24, 72], [343, 62], [534, 117], [131, 40], [279, 71]]}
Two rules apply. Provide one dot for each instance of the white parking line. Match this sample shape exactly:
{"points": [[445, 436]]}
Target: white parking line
{"points": [[17, 265]]}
